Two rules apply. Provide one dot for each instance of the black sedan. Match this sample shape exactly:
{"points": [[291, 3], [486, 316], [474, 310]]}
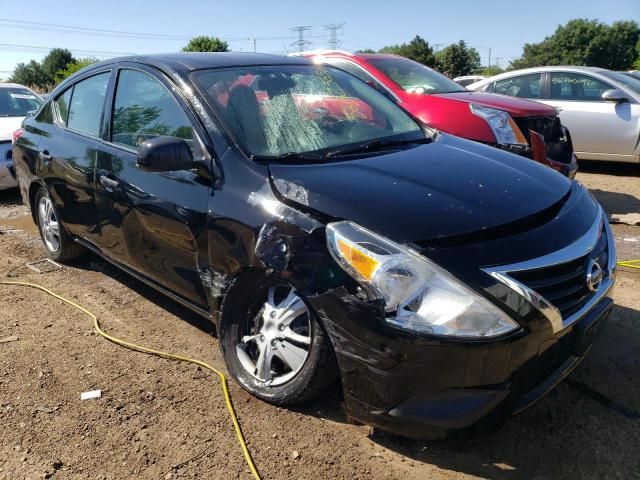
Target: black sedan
{"points": [[326, 233]]}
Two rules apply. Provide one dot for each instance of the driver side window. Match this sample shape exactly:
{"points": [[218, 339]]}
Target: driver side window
{"points": [[144, 109]]}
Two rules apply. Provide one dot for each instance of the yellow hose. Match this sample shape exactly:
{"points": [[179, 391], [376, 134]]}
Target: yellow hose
{"points": [[630, 263], [150, 351]]}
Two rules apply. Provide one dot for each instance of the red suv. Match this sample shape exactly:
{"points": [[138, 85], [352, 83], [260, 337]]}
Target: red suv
{"points": [[521, 126]]}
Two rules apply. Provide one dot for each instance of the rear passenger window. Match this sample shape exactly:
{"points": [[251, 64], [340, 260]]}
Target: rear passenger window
{"points": [[575, 86], [524, 86], [349, 67], [62, 105], [87, 104], [145, 109]]}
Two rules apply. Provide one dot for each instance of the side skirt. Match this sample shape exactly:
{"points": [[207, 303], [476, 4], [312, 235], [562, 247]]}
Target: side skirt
{"points": [[147, 281]]}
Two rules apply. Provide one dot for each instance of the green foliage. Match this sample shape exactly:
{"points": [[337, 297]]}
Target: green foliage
{"points": [[636, 64], [585, 42], [30, 74], [206, 44], [365, 50], [417, 49], [56, 60], [42, 75], [490, 71], [73, 67], [458, 59]]}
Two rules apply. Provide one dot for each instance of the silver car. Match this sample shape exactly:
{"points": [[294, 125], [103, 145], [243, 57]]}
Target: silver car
{"points": [[16, 102], [601, 108]]}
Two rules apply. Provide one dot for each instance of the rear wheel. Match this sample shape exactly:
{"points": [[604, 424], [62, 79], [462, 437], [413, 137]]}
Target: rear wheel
{"points": [[57, 242], [275, 348]]}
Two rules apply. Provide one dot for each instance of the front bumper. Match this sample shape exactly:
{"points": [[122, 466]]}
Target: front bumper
{"points": [[435, 389]]}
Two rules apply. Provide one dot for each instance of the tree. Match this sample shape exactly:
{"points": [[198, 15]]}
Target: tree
{"points": [[458, 59], [490, 71], [417, 49], [73, 67], [56, 60], [636, 64], [206, 44], [584, 42], [365, 50], [30, 74]]}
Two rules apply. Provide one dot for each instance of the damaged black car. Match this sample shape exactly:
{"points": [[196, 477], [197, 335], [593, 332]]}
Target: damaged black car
{"points": [[445, 284]]}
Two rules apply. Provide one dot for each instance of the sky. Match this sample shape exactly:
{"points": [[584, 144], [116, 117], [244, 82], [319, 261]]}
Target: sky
{"points": [[164, 26]]}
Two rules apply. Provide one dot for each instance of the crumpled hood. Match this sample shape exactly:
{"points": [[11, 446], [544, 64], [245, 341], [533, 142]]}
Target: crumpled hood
{"points": [[8, 125], [449, 187], [517, 107]]}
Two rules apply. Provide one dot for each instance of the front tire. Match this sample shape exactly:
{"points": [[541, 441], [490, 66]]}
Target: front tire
{"points": [[274, 346], [57, 242]]}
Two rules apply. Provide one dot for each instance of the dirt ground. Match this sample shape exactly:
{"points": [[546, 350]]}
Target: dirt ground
{"points": [[160, 419]]}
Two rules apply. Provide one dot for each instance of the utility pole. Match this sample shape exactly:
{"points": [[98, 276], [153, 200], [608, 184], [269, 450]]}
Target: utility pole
{"points": [[489, 57], [499, 61], [333, 42], [301, 44]]}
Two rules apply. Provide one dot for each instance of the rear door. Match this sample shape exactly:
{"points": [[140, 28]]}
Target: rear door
{"points": [[152, 222], [599, 129], [69, 149]]}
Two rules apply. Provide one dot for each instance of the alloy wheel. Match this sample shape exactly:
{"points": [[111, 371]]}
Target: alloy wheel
{"points": [[274, 345], [49, 225]]}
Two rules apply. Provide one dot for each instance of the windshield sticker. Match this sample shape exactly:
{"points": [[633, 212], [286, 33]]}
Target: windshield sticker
{"points": [[23, 96]]}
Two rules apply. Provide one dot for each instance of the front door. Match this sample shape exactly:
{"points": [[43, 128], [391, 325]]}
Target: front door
{"points": [[599, 129], [152, 222]]}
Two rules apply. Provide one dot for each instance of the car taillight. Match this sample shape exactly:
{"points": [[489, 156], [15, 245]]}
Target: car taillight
{"points": [[17, 134]]}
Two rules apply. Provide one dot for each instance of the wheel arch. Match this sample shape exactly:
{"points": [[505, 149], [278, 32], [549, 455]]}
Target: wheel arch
{"points": [[34, 187]]}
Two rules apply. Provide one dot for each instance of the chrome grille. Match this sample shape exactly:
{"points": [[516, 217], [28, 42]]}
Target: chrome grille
{"points": [[557, 285], [565, 285]]}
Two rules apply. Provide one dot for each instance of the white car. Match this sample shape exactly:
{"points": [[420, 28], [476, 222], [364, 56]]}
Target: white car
{"points": [[16, 102], [468, 79], [601, 108]]}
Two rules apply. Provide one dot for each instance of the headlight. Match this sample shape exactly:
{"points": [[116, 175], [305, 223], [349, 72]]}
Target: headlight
{"points": [[502, 125], [418, 294]]}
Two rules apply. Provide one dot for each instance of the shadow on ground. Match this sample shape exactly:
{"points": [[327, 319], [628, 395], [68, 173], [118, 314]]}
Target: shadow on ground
{"points": [[95, 263], [615, 203], [10, 197], [610, 168]]}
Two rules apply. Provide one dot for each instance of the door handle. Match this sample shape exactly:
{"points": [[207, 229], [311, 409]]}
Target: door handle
{"points": [[44, 156], [108, 183]]}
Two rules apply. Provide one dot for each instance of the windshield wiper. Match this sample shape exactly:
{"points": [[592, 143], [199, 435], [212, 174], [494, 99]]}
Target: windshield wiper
{"points": [[377, 144], [288, 156]]}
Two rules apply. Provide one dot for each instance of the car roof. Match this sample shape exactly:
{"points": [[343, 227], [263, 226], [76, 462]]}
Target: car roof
{"points": [[558, 68], [200, 60], [343, 53]]}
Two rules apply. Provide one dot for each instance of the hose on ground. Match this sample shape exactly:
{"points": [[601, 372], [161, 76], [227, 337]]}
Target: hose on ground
{"points": [[159, 353]]}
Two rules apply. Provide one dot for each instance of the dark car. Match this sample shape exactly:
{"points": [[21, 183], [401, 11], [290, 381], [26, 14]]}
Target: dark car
{"points": [[448, 284]]}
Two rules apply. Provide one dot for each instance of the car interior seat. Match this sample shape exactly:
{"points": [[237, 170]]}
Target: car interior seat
{"points": [[243, 110], [556, 90]]}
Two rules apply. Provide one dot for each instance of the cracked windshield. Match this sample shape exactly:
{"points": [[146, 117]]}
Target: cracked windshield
{"points": [[287, 110]]}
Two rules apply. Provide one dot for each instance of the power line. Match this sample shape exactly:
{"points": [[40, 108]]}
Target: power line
{"points": [[302, 44], [333, 42], [29, 25], [46, 49]]}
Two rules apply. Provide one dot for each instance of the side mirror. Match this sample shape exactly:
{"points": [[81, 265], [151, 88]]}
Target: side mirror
{"points": [[614, 95], [165, 154]]}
